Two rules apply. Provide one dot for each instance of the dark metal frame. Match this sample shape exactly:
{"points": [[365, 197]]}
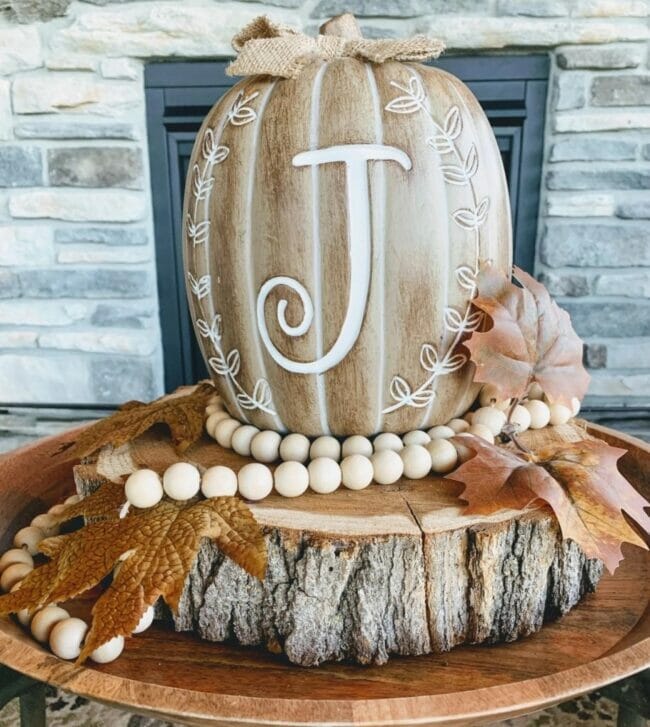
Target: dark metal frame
{"points": [[512, 90]]}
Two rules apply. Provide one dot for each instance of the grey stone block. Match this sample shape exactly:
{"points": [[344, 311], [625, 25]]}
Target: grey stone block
{"points": [[597, 245], [646, 151], [95, 167], [634, 210], [101, 235], [600, 56], [620, 91], [595, 355], [116, 316], [72, 130], [608, 319], [594, 148], [569, 91], [9, 285], [86, 283], [582, 179], [31, 11], [534, 8], [566, 284], [397, 8], [20, 166], [118, 379]]}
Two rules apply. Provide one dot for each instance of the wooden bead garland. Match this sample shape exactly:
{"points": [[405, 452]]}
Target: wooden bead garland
{"points": [[324, 475]]}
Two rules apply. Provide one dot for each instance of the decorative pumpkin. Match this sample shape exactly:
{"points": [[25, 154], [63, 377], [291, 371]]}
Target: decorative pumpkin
{"points": [[334, 224]]}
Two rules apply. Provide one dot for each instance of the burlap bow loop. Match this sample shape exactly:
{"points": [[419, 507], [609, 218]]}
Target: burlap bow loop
{"points": [[267, 48]]}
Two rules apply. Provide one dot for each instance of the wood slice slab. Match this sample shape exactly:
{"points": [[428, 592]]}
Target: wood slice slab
{"points": [[361, 575], [179, 677]]}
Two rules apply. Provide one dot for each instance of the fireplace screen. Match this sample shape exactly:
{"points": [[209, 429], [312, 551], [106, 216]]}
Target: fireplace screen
{"points": [[511, 89]]}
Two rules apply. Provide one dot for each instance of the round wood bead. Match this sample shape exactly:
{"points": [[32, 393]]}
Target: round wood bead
{"points": [[219, 481], [325, 447], [213, 420], [491, 417], [15, 555], [291, 479], [535, 391], [540, 414], [72, 500], [29, 538], [417, 461], [143, 488], [356, 472], [575, 406], [441, 432], [559, 414], [213, 408], [109, 651], [458, 425], [356, 444], [490, 397], [47, 523], [417, 436], [67, 637], [24, 616], [463, 451], [145, 621], [468, 417], [387, 466], [387, 440], [224, 430], [444, 457], [13, 574], [295, 448], [482, 431], [324, 475], [521, 417], [44, 621], [57, 509], [255, 481], [265, 446], [181, 481], [242, 439]]}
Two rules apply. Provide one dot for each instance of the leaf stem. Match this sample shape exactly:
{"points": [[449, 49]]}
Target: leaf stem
{"points": [[510, 433]]}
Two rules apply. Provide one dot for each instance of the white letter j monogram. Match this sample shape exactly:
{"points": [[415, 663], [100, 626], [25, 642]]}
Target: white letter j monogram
{"points": [[355, 157]]}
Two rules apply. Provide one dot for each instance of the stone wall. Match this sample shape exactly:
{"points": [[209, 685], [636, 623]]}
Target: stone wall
{"points": [[78, 302]]}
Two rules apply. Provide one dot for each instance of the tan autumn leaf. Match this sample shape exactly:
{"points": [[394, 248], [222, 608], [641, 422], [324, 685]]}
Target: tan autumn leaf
{"points": [[579, 480], [183, 414], [104, 503], [156, 548], [530, 339]]}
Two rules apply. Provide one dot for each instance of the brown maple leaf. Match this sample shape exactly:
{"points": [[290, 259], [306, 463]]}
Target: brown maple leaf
{"points": [[579, 480], [530, 340], [104, 503], [156, 548], [182, 413]]}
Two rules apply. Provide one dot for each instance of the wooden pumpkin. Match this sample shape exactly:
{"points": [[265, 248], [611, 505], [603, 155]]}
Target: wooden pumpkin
{"points": [[334, 224]]}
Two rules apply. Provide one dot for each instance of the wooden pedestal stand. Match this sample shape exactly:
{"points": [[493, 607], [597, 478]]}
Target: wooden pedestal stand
{"points": [[179, 677]]}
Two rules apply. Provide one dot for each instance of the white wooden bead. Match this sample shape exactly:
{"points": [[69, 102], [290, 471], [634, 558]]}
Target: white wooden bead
{"points": [[291, 479], [143, 488], [444, 457], [468, 417], [219, 481], [387, 440], [490, 397], [458, 425], [57, 509], [324, 475], [535, 391], [540, 414], [325, 447], [441, 432], [13, 574], [521, 417], [255, 481], [109, 651], [181, 481], [356, 444], [417, 436], [265, 446], [215, 399], [43, 622], [482, 431], [417, 461], [145, 621], [213, 409], [491, 417], [295, 448], [29, 538], [67, 637], [463, 451], [15, 555], [356, 472], [224, 430], [214, 419], [387, 466], [242, 438], [24, 616], [72, 500], [559, 414], [575, 406]]}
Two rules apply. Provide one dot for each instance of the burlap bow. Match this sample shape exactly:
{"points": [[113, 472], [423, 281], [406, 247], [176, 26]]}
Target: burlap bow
{"points": [[267, 48]]}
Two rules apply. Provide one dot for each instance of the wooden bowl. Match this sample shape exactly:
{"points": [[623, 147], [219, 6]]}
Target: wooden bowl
{"points": [[179, 677]]}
